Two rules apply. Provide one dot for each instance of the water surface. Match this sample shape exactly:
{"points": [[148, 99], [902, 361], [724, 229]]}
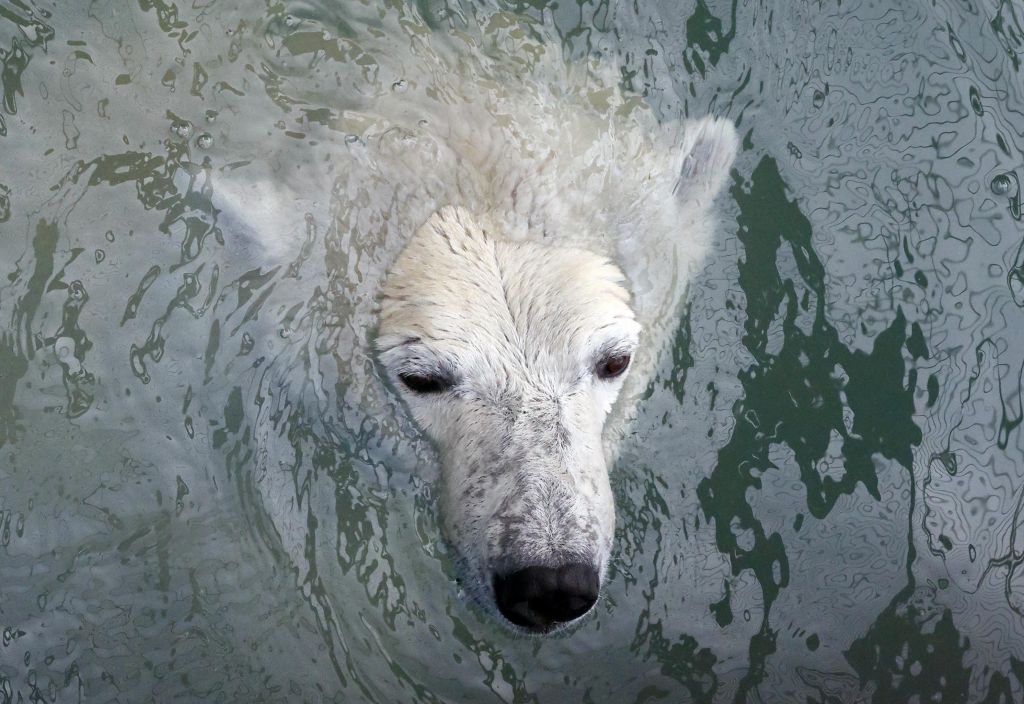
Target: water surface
{"points": [[822, 497]]}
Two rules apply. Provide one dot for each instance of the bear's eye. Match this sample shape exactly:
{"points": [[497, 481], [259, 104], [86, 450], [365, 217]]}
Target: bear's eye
{"points": [[612, 366], [425, 383]]}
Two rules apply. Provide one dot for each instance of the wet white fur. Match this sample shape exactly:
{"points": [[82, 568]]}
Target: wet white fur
{"points": [[558, 242]]}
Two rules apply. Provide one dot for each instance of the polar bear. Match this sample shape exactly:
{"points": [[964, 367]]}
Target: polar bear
{"points": [[511, 330], [511, 230]]}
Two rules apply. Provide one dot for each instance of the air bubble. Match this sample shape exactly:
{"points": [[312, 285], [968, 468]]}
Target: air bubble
{"points": [[64, 347], [400, 86], [182, 128], [1001, 185], [819, 99], [1015, 279], [290, 21], [204, 141]]}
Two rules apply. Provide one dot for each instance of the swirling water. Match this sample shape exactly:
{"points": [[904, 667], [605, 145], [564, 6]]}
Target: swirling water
{"points": [[822, 497]]}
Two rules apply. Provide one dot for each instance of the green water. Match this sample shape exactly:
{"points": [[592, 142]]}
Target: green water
{"points": [[821, 501]]}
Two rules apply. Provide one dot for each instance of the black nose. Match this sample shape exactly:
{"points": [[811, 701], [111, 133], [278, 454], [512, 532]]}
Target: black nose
{"points": [[540, 598]]}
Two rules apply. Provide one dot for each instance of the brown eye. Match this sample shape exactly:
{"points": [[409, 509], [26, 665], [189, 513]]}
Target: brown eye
{"points": [[425, 383], [612, 366]]}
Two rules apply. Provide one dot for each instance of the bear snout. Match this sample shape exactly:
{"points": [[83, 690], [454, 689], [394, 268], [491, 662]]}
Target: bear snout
{"points": [[540, 598]]}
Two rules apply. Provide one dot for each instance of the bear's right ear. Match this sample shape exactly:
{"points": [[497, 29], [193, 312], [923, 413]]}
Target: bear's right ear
{"points": [[709, 147]]}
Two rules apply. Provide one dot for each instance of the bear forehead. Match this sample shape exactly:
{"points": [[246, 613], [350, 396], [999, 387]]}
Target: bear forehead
{"points": [[460, 290]]}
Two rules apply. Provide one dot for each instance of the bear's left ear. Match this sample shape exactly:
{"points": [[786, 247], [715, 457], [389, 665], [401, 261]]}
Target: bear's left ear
{"points": [[709, 147]]}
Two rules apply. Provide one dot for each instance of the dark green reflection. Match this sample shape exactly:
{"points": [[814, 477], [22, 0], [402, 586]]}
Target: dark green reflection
{"points": [[704, 30], [909, 653], [797, 396]]}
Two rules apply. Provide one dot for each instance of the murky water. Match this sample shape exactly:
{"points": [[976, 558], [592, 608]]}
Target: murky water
{"points": [[204, 493]]}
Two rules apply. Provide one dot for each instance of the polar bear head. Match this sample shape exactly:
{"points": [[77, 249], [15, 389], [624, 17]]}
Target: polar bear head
{"points": [[510, 352], [510, 356]]}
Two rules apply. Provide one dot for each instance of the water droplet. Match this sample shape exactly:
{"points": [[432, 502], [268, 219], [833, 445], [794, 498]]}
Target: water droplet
{"points": [[819, 99], [64, 347], [399, 86], [1001, 185], [204, 141], [211, 115], [976, 104], [290, 21], [1015, 279], [182, 128], [947, 459]]}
